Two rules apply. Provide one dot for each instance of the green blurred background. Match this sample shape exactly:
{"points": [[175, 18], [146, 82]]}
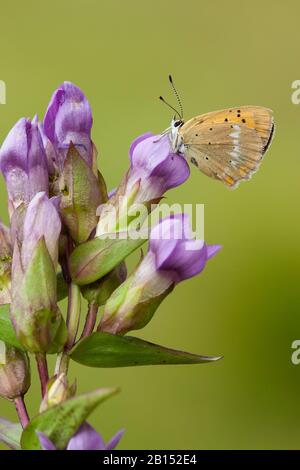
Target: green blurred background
{"points": [[246, 305]]}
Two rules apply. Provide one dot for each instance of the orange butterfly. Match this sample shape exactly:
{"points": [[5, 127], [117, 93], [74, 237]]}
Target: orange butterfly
{"points": [[227, 145]]}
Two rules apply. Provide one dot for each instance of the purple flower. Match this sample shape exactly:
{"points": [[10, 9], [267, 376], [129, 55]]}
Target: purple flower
{"points": [[154, 169], [173, 256], [175, 252], [23, 163], [155, 166], [69, 119], [86, 438]]}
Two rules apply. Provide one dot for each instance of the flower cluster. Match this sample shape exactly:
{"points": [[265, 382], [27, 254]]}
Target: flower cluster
{"points": [[67, 237]]}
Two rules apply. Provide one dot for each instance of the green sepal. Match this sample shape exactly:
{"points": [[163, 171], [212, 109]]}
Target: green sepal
{"points": [[80, 196], [99, 292], [59, 423], [130, 307], [96, 258], [5, 265], [7, 332], [37, 320]]}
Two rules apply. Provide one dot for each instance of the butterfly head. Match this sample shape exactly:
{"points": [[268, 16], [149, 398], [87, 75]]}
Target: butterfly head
{"points": [[175, 137]]}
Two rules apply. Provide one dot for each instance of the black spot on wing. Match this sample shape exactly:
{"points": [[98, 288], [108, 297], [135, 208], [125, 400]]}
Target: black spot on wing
{"points": [[194, 161]]}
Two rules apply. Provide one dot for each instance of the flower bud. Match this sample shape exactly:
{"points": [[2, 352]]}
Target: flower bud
{"points": [[66, 132], [14, 372], [5, 265], [69, 119], [173, 256], [154, 170], [34, 312], [58, 390], [23, 163]]}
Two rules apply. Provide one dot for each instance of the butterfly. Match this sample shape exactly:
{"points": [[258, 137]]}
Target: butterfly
{"points": [[227, 145]]}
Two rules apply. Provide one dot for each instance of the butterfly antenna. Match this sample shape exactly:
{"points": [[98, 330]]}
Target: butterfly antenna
{"points": [[177, 96], [170, 106]]}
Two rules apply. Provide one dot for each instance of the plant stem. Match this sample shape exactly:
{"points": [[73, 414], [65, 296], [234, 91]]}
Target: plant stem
{"points": [[42, 366], [73, 315], [22, 411], [90, 320], [73, 318], [62, 363]]}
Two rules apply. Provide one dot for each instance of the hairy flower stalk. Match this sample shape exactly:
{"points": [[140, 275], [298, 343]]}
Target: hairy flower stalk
{"points": [[173, 256], [99, 292]]}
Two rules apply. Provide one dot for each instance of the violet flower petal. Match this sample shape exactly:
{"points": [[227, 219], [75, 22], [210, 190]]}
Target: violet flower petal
{"points": [[175, 250], [153, 154], [212, 250], [86, 438], [156, 167], [69, 119], [41, 220], [23, 162], [45, 442], [114, 441], [137, 141]]}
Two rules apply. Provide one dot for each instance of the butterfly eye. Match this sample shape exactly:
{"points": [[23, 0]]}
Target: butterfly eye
{"points": [[177, 123]]}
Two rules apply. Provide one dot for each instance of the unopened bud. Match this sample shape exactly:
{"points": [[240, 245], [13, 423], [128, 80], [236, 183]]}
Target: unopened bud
{"points": [[14, 372], [58, 390]]}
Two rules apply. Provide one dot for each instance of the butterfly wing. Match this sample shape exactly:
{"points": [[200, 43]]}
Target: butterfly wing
{"points": [[228, 145]]}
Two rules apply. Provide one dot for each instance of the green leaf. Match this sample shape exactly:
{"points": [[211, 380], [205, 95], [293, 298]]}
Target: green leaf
{"points": [[10, 434], [7, 332], [61, 422], [106, 350], [80, 196], [95, 258]]}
